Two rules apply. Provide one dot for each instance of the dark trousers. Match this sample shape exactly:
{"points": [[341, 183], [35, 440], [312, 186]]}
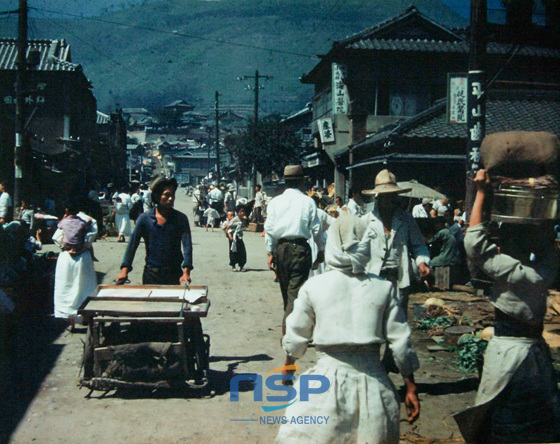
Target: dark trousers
{"points": [[293, 263], [257, 215], [161, 275], [238, 257]]}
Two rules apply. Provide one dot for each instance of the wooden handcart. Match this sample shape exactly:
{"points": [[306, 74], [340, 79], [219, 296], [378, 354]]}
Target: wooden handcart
{"points": [[147, 336]]}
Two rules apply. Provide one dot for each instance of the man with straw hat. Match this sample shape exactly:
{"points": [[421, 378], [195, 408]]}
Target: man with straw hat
{"points": [[395, 237], [292, 220]]}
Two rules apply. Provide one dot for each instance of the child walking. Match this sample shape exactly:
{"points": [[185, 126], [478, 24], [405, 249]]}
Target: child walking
{"points": [[211, 216], [237, 252]]}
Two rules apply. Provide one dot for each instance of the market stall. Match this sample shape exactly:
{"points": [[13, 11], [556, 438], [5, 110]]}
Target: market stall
{"points": [[145, 336]]}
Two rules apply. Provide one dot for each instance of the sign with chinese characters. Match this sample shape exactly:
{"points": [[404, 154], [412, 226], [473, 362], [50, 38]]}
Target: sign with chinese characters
{"points": [[457, 97], [339, 89], [326, 130], [35, 97], [476, 119]]}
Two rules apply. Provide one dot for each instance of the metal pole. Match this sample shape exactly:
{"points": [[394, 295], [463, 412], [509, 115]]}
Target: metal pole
{"points": [[256, 113], [218, 137], [21, 66], [476, 98]]}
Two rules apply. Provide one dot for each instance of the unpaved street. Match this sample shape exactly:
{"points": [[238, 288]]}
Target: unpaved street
{"points": [[41, 401]]}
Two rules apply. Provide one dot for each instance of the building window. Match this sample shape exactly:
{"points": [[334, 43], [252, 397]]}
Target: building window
{"points": [[408, 100]]}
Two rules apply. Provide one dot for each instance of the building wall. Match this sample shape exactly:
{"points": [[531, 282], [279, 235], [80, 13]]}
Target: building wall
{"points": [[58, 104]]}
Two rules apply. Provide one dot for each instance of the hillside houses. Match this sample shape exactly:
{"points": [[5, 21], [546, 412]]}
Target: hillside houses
{"points": [[184, 143], [380, 99]]}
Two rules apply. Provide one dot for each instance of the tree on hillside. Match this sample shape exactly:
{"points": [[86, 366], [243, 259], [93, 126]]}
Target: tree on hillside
{"points": [[268, 146]]}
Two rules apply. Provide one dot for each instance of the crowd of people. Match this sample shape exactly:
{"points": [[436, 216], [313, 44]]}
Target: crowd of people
{"points": [[345, 272], [360, 303]]}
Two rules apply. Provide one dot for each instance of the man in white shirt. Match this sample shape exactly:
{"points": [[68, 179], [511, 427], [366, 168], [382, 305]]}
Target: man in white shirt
{"points": [[259, 204], [352, 206], [146, 197], [439, 206], [215, 196], [292, 220], [422, 210], [5, 204], [395, 240]]}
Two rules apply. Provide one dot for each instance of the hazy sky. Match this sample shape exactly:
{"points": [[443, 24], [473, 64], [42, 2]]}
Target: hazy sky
{"points": [[97, 7], [78, 7]]}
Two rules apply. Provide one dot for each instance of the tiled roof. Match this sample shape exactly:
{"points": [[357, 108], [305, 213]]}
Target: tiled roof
{"points": [[379, 29], [447, 47], [54, 55], [519, 110]]}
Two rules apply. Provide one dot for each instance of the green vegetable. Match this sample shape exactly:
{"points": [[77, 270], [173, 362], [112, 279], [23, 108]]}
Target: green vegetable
{"points": [[471, 353]]}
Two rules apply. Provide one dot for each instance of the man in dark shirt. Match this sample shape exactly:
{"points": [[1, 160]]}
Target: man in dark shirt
{"points": [[165, 231]]}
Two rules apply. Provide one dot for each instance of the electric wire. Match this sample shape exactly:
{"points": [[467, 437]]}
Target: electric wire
{"points": [[96, 50], [176, 33]]}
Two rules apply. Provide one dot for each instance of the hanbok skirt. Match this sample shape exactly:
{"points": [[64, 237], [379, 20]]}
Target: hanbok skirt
{"points": [[517, 400], [74, 281], [361, 404], [123, 225]]}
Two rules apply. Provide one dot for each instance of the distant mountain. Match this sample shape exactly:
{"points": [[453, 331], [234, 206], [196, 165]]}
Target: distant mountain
{"points": [[153, 52]]}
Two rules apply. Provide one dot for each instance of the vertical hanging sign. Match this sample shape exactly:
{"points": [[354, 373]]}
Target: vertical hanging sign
{"points": [[339, 89], [457, 98], [326, 130], [476, 120]]}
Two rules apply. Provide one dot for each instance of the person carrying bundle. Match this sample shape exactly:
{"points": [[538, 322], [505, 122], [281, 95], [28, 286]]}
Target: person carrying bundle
{"points": [[517, 400]]}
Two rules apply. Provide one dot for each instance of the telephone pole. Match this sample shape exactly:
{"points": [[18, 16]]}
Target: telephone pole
{"points": [[256, 88], [217, 136], [21, 67], [476, 97]]}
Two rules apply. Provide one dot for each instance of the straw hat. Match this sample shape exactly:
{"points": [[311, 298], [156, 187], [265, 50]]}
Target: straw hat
{"points": [[385, 183], [293, 172]]}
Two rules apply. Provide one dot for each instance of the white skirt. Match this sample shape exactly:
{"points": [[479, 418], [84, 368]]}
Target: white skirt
{"points": [[361, 404], [123, 225], [74, 281]]}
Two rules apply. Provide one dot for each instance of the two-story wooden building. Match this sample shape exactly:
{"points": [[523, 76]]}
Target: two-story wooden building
{"points": [[374, 81], [60, 119]]}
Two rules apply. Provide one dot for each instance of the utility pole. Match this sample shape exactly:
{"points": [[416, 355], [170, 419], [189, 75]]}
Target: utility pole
{"points": [[21, 67], [256, 88], [218, 137], [476, 97], [255, 117]]}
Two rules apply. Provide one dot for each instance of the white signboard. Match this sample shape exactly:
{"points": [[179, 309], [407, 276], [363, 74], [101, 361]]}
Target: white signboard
{"points": [[326, 130], [457, 98], [339, 89]]}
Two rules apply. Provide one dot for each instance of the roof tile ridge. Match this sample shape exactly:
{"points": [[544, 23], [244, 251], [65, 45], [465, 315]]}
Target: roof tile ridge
{"points": [[411, 10]]}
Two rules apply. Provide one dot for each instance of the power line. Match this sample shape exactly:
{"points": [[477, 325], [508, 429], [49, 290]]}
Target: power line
{"points": [[179, 34], [96, 50]]}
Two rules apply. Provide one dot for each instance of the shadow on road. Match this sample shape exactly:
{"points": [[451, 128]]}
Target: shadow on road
{"points": [[218, 383], [26, 358]]}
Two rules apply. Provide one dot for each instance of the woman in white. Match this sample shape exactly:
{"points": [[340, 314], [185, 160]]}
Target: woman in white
{"points": [[349, 313], [123, 204], [75, 277]]}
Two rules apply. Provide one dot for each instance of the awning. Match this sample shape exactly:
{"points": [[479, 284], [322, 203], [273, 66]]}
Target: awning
{"points": [[410, 158]]}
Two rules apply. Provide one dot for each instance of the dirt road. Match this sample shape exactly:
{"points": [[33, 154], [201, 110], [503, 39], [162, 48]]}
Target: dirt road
{"points": [[40, 400]]}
